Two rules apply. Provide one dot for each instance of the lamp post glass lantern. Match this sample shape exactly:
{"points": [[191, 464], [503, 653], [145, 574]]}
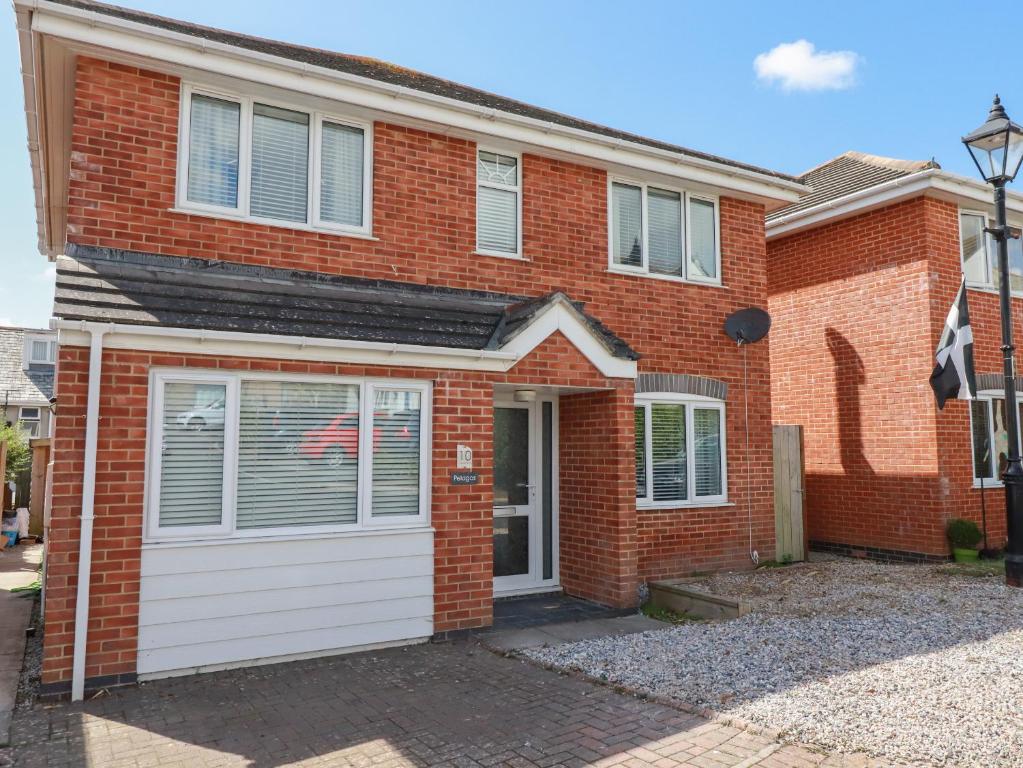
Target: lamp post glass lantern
{"points": [[997, 149]]}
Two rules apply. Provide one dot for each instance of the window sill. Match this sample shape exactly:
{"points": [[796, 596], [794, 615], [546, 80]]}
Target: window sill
{"points": [[988, 484], [499, 255], [297, 226], [668, 505], [989, 288], [213, 541], [666, 278]]}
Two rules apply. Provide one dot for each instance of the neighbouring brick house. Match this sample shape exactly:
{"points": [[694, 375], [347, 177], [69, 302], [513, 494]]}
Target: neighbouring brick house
{"points": [[27, 357], [862, 272], [347, 350]]}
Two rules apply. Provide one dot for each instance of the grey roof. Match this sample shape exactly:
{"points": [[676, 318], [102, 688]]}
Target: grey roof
{"points": [[385, 72], [849, 172], [16, 384], [109, 285]]}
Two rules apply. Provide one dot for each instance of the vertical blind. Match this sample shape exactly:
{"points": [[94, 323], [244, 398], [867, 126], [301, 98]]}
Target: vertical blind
{"points": [[396, 430], [707, 451], [981, 427], [627, 224], [214, 127], [668, 451], [973, 239], [702, 236], [280, 163], [497, 203], [664, 210], [192, 455], [341, 174], [298, 451]]}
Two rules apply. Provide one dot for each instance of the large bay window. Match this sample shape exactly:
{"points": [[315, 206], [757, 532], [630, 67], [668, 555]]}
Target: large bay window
{"points": [[242, 455], [664, 232], [680, 451], [251, 159], [989, 437]]}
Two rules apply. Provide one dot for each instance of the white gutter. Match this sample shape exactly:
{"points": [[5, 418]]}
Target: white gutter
{"points": [[88, 515], [121, 35], [934, 180]]}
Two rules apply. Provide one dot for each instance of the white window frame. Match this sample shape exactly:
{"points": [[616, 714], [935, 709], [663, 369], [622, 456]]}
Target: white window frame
{"points": [[517, 189], [986, 397], [36, 423], [313, 221], [647, 399], [685, 196], [990, 257], [51, 351], [227, 528]]}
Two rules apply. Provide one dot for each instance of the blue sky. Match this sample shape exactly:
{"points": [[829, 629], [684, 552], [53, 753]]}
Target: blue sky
{"points": [[904, 79]]}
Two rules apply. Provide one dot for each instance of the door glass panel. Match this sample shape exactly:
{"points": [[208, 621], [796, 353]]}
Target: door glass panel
{"points": [[547, 474], [511, 457], [511, 546]]}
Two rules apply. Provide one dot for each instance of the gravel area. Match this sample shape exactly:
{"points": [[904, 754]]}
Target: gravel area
{"points": [[905, 662]]}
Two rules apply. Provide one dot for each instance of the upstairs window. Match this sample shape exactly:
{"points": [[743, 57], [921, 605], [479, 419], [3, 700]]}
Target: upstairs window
{"points": [[40, 351], [680, 451], [498, 203], [255, 160], [979, 253], [664, 232]]}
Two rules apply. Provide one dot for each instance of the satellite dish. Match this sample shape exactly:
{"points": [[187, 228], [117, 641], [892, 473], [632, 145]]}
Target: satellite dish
{"points": [[748, 325]]}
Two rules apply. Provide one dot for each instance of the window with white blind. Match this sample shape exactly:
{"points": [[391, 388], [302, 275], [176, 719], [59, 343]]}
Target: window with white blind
{"points": [[40, 351], [30, 419], [498, 203], [246, 454], [663, 232], [250, 159], [680, 451], [990, 436]]}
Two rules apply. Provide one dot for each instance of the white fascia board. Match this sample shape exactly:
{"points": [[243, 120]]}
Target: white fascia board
{"points": [[264, 345], [152, 43], [261, 345], [933, 182], [558, 317]]}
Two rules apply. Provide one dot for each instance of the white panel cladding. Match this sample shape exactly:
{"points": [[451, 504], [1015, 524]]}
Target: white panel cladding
{"points": [[226, 603]]}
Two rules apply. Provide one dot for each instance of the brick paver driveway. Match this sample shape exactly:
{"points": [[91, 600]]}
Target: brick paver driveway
{"points": [[431, 705]]}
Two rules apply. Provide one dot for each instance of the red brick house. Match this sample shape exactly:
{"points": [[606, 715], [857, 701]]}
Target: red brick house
{"points": [[862, 272], [347, 350]]}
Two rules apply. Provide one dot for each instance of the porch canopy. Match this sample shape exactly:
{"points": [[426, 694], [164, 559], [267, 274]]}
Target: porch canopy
{"points": [[128, 288]]}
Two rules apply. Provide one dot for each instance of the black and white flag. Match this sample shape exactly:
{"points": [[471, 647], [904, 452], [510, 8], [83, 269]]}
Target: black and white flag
{"points": [[953, 375]]}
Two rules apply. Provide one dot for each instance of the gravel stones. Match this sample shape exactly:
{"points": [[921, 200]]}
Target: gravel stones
{"points": [[903, 662]]}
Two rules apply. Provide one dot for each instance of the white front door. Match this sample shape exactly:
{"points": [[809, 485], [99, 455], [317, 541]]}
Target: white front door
{"points": [[525, 501]]}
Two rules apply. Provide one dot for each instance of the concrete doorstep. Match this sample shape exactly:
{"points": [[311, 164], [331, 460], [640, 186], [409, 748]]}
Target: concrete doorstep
{"points": [[19, 567]]}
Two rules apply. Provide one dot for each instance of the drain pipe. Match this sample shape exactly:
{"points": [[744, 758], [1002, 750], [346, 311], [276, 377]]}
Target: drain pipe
{"points": [[88, 514]]}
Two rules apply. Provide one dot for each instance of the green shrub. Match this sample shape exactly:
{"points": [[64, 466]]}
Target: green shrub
{"points": [[19, 453], [963, 534]]}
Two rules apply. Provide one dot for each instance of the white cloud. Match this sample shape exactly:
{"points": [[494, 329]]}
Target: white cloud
{"points": [[49, 274], [799, 66]]}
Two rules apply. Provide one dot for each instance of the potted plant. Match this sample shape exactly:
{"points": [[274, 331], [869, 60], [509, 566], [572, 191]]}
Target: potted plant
{"points": [[964, 536]]}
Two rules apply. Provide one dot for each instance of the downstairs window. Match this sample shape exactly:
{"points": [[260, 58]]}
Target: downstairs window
{"points": [[680, 451], [241, 455]]}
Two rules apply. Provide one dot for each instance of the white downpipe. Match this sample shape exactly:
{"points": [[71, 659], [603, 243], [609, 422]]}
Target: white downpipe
{"points": [[88, 515]]}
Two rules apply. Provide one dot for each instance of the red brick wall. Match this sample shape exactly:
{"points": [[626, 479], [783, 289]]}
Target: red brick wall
{"points": [[461, 515], [858, 306], [122, 196]]}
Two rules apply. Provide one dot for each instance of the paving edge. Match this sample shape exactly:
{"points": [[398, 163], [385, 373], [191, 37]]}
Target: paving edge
{"points": [[711, 715]]}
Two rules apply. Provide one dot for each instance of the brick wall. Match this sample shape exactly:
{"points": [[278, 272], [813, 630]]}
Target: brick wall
{"points": [[122, 196], [858, 307]]}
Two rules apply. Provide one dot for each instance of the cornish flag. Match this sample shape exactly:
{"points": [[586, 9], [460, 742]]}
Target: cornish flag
{"points": [[954, 375]]}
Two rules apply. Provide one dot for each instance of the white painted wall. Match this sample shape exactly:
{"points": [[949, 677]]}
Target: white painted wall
{"points": [[208, 605]]}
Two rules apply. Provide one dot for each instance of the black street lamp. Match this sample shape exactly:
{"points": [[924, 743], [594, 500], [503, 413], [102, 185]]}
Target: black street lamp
{"points": [[997, 149]]}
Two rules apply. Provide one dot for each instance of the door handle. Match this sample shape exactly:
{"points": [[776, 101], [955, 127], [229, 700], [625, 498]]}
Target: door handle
{"points": [[525, 485]]}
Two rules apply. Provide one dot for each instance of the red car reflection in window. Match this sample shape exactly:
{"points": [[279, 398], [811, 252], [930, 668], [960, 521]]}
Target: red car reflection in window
{"points": [[338, 441]]}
